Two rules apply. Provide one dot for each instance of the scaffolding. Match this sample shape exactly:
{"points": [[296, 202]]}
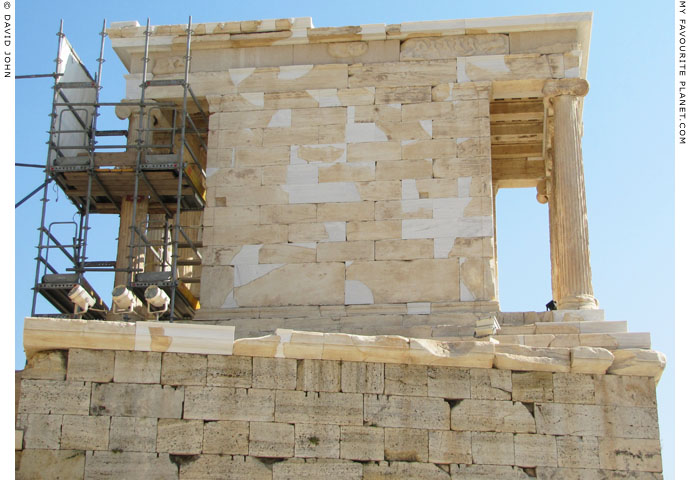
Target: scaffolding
{"points": [[155, 182]]}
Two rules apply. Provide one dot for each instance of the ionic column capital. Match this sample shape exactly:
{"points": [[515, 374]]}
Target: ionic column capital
{"points": [[577, 87]]}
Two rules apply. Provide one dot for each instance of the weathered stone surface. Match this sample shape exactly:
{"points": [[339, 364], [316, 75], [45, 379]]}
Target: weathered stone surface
{"points": [[131, 400], [596, 420], [402, 169], [318, 375], [575, 451], [402, 74], [379, 190], [377, 230], [492, 416], [406, 444], [450, 447], [345, 251], [435, 148], [286, 253], [321, 441], [624, 391], [487, 472], [322, 469], [519, 357], [56, 397], [180, 437], [221, 467], [268, 439], [630, 454], [406, 412], [402, 95], [316, 232], [266, 155], [573, 388], [405, 209], [216, 285], [91, 365], [183, 369], [373, 151], [341, 212], [404, 249], [347, 172], [386, 470], [290, 78], [644, 363], [493, 448], [287, 214], [535, 450], [135, 465], [551, 41], [533, 386], [590, 360], [137, 367], [491, 384], [50, 365], [504, 67], [280, 373], [279, 288], [40, 431], [362, 443], [318, 407], [401, 379], [219, 403], [424, 280], [360, 377], [453, 46], [448, 382], [133, 434], [63, 334], [31, 464], [550, 473], [229, 371], [226, 438], [85, 432]]}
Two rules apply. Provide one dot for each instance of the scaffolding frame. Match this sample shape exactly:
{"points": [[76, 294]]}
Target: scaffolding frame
{"points": [[153, 172]]}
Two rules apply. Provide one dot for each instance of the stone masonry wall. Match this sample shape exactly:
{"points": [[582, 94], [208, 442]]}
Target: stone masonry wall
{"points": [[129, 414], [357, 172]]}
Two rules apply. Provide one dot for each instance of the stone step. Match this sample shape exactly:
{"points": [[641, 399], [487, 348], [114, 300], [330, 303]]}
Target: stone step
{"points": [[610, 341], [565, 328]]}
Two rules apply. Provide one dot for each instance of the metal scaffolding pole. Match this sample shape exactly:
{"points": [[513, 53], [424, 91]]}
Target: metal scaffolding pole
{"points": [[53, 116]]}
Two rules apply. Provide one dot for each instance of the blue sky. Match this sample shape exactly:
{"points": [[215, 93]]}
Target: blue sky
{"points": [[627, 148]]}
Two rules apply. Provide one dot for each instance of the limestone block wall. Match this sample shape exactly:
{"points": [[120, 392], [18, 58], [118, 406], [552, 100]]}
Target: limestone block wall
{"points": [[136, 414], [350, 183], [363, 194]]}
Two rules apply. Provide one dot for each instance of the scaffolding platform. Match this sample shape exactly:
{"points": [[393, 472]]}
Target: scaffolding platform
{"points": [[115, 184], [55, 289]]}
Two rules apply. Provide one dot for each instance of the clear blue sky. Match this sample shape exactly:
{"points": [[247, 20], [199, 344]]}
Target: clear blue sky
{"points": [[627, 144]]}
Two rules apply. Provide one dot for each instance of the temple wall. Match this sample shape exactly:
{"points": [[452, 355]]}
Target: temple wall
{"points": [[357, 172], [143, 414]]}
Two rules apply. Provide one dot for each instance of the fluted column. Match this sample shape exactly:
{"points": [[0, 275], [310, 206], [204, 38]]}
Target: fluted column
{"points": [[125, 235], [572, 287]]}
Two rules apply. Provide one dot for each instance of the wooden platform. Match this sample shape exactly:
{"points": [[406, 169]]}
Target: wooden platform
{"points": [[114, 178]]}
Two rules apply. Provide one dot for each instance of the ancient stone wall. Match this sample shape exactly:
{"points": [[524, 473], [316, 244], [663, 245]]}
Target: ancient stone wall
{"points": [[131, 414], [356, 168]]}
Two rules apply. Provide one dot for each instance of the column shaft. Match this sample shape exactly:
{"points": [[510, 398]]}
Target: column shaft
{"points": [[570, 234]]}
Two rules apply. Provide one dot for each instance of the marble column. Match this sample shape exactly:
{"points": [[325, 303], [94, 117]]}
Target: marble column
{"points": [[124, 237], [572, 287]]}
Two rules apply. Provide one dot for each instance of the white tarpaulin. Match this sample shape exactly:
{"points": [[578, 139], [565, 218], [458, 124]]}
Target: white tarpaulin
{"points": [[73, 122]]}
